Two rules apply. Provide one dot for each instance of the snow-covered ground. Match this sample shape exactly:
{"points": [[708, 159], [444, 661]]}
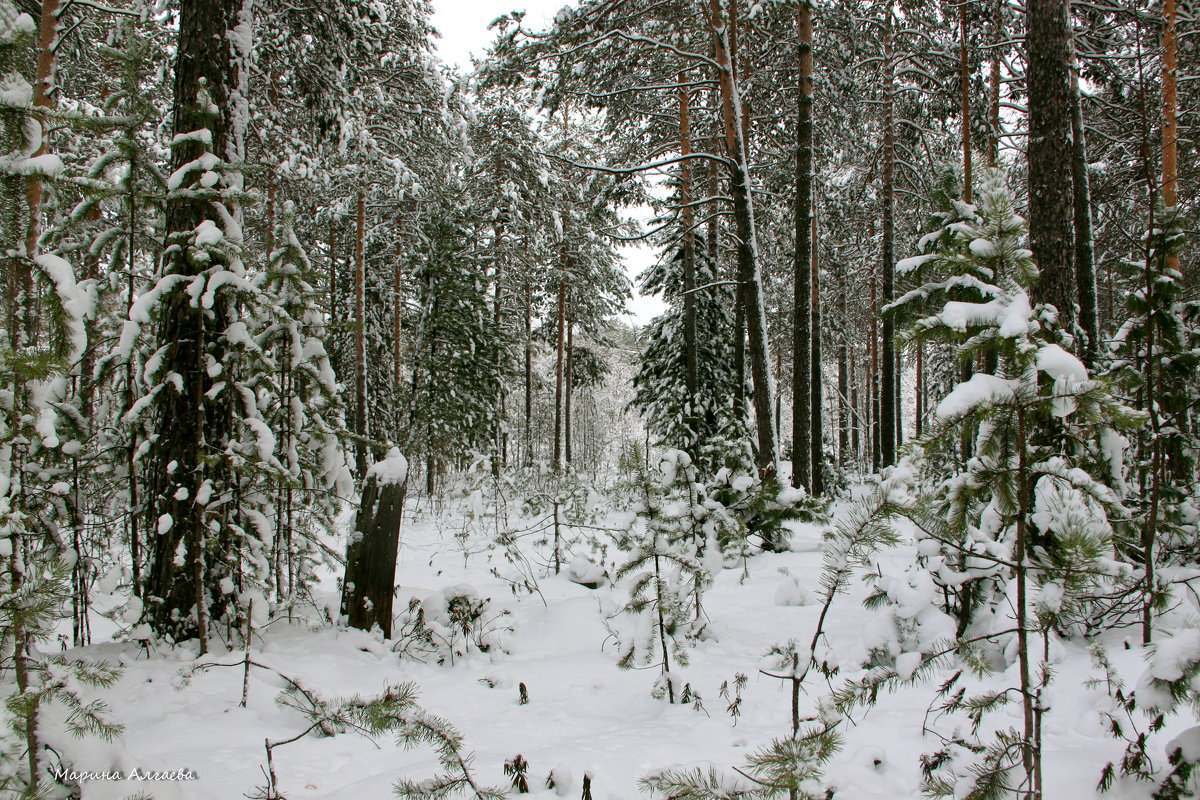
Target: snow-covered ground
{"points": [[583, 716]]}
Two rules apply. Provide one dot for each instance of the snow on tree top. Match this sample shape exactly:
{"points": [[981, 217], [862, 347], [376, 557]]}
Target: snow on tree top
{"points": [[981, 389], [907, 265], [393, 470], [1059, 364]]}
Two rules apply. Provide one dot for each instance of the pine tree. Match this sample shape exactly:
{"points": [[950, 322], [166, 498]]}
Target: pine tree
{"points": [[300, 403], [1032, 507], [44, 338], [673, 557], [699, 424], [1155, 362], [452, 400]]}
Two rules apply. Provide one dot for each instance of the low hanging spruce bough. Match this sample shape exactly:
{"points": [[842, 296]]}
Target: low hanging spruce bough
{"points": [[396, 712]]}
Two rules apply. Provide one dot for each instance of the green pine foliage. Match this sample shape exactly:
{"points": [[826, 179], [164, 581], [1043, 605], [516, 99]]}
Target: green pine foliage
{"points": [[674, 552], [300, 403], [1020, 536], [452, 402], [706, 426], [1155, 362], [1040, 399]]}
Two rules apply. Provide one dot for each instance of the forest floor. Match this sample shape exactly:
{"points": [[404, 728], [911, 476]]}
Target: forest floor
{"points": [[583, 715]]}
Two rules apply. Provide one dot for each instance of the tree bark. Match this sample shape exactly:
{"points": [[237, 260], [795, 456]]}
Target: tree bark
{"points": [[920, 415], [1170, 124], [499, 438], [994, 81], [887, 388], [749, 277], [43, 97], [528, 372], [873, 382], [369, 586], [844, 368], [397, 322], [1084, 252], [855, 415], [131, 465], [802, 320], [568, 379], [193, 428], [691, 361], [816, 384], [1051, 216], [360, 336], [964, 78], [560, 342]]}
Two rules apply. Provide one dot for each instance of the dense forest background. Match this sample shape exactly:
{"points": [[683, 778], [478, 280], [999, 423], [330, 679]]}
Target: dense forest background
{"points": [[928, 277]]}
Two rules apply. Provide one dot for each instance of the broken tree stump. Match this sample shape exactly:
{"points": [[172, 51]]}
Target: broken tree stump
{"points": [[370, 582]]}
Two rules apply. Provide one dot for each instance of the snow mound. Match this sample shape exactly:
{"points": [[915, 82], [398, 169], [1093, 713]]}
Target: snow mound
{"points": [[587, 573], [791, 593], [393, 470]]}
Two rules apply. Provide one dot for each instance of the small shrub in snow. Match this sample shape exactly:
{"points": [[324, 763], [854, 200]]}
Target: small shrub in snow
{"points": [[450, 624], [1170, 680], [516, 769], [673, 556], [734, 697]]}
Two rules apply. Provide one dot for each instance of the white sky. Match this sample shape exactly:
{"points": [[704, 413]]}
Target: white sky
{"points": [[463, 26]]}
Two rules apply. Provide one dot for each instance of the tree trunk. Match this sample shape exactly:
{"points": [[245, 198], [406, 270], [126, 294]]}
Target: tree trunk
{"points": [[193, 428], [873, 383], [1047, 44], [360, 336], [994, 81], [1085, 261], [964, 79], [802, 320], [855, 415], [899, 399], [920, 410], [816, 383], [269, 233], [334, 305], [568, 379], [887, 388], [843, 367], [749, 277], [528, 373], [131, 466], [397, 323], [739, 356], [43, 97], [1031, 749], [560, 346], [1170, 125], [499, 440], [691, 361], [370, 582]]}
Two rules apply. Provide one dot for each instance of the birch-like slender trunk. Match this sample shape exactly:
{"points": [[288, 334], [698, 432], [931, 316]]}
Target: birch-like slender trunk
{"points": [[749, 276]]}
